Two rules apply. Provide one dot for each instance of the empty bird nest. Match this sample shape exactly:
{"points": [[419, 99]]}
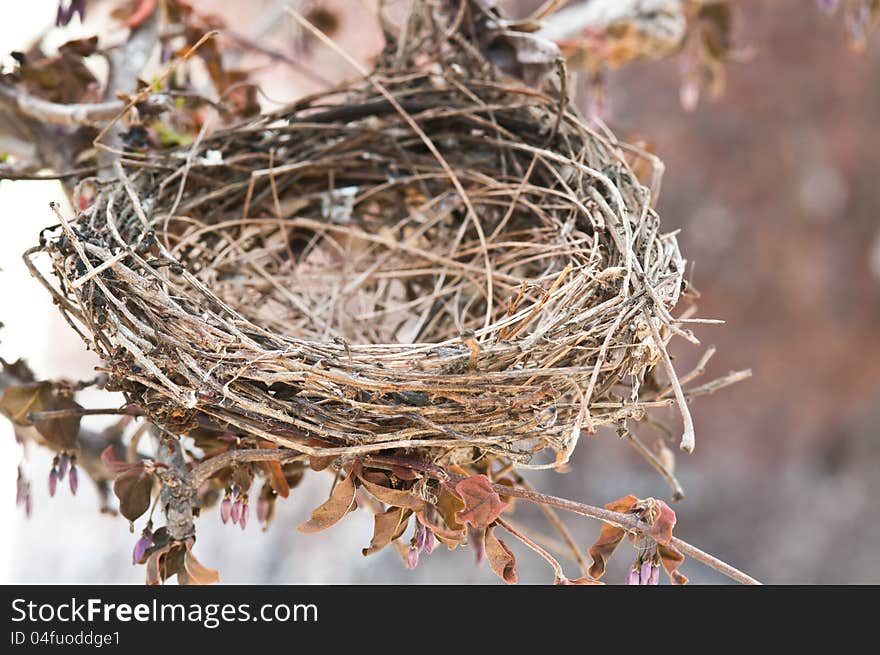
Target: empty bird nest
{"points": [[438, 259]]}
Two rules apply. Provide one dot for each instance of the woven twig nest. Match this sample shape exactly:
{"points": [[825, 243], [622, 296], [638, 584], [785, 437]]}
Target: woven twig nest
{"points": [[436, 258]]}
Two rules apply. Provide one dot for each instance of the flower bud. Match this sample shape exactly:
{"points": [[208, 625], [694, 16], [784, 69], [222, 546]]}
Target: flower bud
{"points": [[632, 578], [655, 576], [20, 491], [243, 519], [412, 557], [53, 481], [645, 573], [236, 511], [225, 509], [63, 460], [73, 479], [262, 510], [141, 546], [430, 541]]}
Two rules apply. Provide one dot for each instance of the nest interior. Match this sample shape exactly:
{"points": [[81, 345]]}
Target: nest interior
{"points": [[438, 257]]}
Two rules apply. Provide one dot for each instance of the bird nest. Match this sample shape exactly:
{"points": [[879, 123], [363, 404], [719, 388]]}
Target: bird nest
{"points": [[438, 258]]}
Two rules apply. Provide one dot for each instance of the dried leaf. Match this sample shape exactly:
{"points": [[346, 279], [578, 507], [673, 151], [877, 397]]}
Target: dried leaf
{"points": [[196, 572], [275, 476], [389, 525], [439, 531], [61, 432], [153, 564], [133, 489], [609, 537], [18, 401], [448, 505], [395, 497], [501, 559], [671, 559], [332, 511], [482, 504], [662, 522], [115, 465]]}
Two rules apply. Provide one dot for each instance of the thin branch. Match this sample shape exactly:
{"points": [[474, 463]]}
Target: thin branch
{"points": [[94, 114], [56, 414], [628, 522], [651, 458], [560, 527], [209, 467]]}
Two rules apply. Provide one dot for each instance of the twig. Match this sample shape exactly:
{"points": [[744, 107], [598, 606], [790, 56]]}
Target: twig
{"points": [[558, 574], [651, 458], [209, 467], [93, 114], [628, 522], [56, 414], [561, 528]]}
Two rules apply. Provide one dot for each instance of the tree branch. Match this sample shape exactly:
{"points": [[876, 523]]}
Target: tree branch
{"points": [[92, 114], [209, 467], [628, 522]]}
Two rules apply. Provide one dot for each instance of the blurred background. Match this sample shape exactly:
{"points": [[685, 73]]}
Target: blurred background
{"points": [[776, 188]]}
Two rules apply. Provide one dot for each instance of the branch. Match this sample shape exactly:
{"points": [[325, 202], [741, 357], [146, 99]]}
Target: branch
{"points": [[628, 522], [209, 467], [92, 114]]}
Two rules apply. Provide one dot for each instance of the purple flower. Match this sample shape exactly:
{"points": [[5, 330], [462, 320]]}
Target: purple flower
{"points": [[53, 481], [236, 511], [62, 466], [412, 557], [73, 479], [225, 509], [263, 510], [141, 546], [645, 573], [21, 490], [655, 576], [243, 519], [430, 541], [64, 16], [632, 578]]}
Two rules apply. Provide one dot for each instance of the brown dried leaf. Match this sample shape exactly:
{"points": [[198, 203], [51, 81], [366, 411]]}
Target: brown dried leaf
{"points": [[448, 505], [395, 497], [18, 401], [61, 432], [671, 559], [153, 567], [663, 518], [134, 490], [389, 525], [501, 559], [277, 481], [482, 504], [332, 511], [115, 465], [609, 537], [196, 572]]}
